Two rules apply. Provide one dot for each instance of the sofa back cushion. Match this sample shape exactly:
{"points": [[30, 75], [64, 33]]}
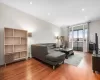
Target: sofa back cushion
{"points": [[39, 51]]}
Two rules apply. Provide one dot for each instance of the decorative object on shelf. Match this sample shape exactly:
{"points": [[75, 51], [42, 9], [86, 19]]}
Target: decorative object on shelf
{"points": [[15, 45], [29, 34]]}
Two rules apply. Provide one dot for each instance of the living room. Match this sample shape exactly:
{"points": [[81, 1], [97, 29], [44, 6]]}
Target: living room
{"points": [[49, 40]]}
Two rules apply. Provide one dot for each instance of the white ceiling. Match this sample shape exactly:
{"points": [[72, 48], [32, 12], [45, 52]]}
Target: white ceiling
{"points": [[59, 12]]}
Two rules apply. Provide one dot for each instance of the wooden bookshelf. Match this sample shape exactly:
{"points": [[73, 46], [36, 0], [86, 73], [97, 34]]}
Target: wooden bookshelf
{"points": [[15, 45]]}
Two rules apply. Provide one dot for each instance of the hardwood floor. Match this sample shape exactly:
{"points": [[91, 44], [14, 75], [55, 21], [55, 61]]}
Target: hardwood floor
{"points": [[35, 70]]}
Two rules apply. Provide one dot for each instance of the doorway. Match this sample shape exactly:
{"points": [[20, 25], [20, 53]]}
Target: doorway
{"points": [[78, 37], [78, 40]]}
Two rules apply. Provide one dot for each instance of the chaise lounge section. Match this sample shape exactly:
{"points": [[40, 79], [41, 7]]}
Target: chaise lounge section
{"points": [[49, 56]]}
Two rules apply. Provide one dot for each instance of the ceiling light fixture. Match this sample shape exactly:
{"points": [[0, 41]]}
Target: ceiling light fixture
{"points": [[30, 2], [83, 9], [48, 14]]}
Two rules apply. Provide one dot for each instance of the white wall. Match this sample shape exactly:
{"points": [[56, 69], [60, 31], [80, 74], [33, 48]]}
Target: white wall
{"points": [[94, 27], [64, 32], [43, 32]]}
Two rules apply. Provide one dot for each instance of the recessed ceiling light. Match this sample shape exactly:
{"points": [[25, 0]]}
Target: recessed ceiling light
{"points": [[30, 2], [48, 14], [83, 9]]}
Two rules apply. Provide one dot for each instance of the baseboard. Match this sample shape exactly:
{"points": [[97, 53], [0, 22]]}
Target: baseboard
{"points": [[15, 62], [2, 65]]}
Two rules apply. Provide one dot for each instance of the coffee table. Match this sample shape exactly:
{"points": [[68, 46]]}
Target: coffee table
{"points": [[67, 51]]}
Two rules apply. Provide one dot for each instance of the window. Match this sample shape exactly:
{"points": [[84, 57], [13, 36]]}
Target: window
{"points": [[80, 33], [75, 35]]}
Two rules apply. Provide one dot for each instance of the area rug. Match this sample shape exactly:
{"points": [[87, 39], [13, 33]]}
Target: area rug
{"points": [[75, 59]]}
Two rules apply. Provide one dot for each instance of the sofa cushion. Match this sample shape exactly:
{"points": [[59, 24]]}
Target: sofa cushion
{"points": [[55, 56]]}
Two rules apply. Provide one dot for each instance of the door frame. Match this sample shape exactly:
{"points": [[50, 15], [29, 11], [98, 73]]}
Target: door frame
{"points": [[77, 39], [85, 43]]}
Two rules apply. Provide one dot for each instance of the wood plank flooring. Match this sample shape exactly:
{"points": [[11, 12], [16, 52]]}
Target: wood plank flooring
{"points": [[35, 70]]}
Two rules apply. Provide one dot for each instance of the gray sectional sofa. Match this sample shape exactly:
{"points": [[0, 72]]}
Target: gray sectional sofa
{"points": [[48, 55]]}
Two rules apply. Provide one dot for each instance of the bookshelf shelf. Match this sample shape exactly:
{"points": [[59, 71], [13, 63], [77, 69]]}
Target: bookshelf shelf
{"points": [[15, 45]]}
